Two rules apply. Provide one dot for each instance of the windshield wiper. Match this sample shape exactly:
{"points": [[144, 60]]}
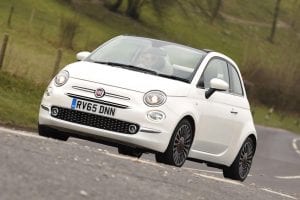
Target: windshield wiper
{"points": [[126, 66], [174, 77]]}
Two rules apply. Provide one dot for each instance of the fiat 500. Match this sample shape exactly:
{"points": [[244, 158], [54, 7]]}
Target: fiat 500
{"points": [[148, 95]]}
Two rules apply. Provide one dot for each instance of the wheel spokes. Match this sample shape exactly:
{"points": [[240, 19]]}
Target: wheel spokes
{"points": [[246, 157], [182, 144]]}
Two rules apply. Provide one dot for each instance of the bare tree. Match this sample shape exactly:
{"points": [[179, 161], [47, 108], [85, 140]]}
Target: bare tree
{"points": [[133, 8], [295, 14], [160, 5], [215, 10], [113, 6], [275, 19]]}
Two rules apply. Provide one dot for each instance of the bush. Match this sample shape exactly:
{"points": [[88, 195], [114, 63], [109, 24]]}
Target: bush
{"points": [[273, 86]]}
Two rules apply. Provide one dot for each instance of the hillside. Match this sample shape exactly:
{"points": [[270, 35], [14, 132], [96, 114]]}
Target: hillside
{"points": [[240, 31]]}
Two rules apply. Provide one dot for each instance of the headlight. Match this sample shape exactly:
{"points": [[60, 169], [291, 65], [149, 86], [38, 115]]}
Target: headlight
{"points": [[61, 78], [155, 98]]}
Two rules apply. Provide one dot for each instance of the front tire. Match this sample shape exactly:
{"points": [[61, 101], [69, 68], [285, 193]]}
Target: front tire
{"points": [[179, 146], [46, 131], [240, 167]]}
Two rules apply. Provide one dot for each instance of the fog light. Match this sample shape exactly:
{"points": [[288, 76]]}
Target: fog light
{"points": [[54, 112], [132, 129], [156, 115]]}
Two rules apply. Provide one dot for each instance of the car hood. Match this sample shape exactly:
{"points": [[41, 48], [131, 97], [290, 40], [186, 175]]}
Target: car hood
{"points": [[127, 79]]}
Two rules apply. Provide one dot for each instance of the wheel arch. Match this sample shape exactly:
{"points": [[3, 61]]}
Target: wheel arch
{"points": [[167, 156], [236, 149], [248, 131]]}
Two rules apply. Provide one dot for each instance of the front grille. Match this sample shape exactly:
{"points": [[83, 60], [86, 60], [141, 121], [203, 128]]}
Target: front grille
{"points": [[93, 120], [106, 93]]}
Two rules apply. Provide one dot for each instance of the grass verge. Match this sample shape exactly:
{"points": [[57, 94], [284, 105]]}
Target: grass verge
{"points": [[274, 118], [20, 101]]}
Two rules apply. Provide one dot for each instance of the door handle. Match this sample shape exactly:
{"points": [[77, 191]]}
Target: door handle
{"points": [[234, 112]]}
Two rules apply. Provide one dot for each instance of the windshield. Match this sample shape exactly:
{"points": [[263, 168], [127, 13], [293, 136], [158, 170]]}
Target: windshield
{"points": [[165, 59]]}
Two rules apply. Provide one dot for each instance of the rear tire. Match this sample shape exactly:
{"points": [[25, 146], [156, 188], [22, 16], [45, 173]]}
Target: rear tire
{"points": [[46, 131], [179, 146], [129, 151], [240, 167]]}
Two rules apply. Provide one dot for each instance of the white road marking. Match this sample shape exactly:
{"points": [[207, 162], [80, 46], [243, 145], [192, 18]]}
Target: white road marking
{"points": [[278, 193], [201, 170], [206, 171], [132, 159], [288, 177], [219, 179], [297, 149], [23, 133]]}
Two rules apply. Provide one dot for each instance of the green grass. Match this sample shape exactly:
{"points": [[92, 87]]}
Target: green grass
{"points": [[265, 116], [33, 44], [20, 101]]}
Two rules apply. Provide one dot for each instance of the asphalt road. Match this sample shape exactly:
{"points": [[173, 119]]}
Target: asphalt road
{"points": [[32, 168]]}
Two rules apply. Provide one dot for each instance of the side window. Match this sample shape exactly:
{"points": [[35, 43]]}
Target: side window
{"points": [[216, 68], [235, 81]]}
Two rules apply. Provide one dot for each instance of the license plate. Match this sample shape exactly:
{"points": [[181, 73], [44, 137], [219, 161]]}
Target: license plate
{"points": [[78, 104]]}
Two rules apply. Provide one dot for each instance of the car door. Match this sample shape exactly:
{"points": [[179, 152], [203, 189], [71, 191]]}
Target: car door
{"points": [[214, 133], [239, 105]]}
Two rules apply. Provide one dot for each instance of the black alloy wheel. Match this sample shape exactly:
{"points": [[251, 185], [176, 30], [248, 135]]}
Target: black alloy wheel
{"points": [[241, 166], [179, 146], [246, 157]]}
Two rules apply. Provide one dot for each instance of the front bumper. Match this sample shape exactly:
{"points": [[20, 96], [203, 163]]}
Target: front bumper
{"points": [[151, 135]]}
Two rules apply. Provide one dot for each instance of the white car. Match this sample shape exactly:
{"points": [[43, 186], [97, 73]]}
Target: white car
{"points": [[150, 95]]}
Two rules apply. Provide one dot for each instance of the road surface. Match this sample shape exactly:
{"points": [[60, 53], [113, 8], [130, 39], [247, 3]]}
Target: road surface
{"points": [[32, 167]]}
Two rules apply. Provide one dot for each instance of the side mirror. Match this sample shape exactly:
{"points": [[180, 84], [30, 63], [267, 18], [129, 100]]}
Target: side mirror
{"points": [[216, 84], [82, 55]]}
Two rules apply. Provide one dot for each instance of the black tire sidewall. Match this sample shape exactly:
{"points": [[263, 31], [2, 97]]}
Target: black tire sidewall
{"points": [[46, 131]]}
